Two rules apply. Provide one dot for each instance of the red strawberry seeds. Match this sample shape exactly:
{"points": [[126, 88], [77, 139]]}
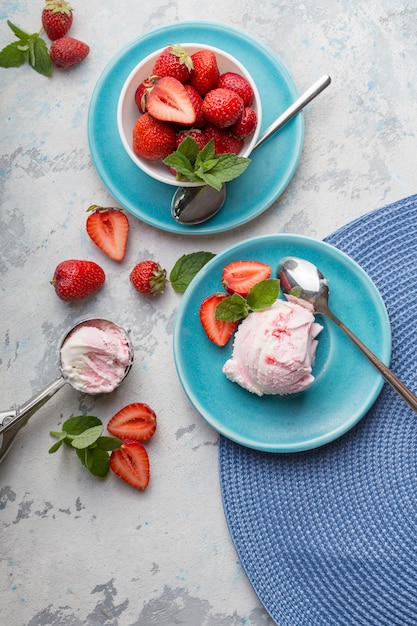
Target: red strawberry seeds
{"points": [[68, 52], [109, 229], [131, 464], [76, 279], [240, 276], [148, 278], [173, 61], [152, 138], [136, 421], [56, 18], [218, 331]]}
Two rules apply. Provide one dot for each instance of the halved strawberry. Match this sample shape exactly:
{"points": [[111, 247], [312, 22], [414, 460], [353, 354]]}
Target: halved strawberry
{"points": [[217, 331], [136, 421], [131, 463], [240, 276], [108, 227], [169, 102]]}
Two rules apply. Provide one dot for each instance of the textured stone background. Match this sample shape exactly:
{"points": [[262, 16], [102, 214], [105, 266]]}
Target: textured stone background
{"points": [[77, 552]]}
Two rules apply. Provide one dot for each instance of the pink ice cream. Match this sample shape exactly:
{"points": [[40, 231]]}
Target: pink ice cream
{"points": [[274, 350], [95, 356]]}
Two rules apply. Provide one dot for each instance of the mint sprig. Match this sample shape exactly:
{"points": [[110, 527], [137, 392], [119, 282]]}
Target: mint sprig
{"points": [[29, 48], [84, 434], [236, 307], [186, 267], [204, 166]]}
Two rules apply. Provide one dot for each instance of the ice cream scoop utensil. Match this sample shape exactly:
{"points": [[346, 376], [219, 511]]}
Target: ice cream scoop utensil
{"points": [[195, 205], [12, 420], [304, 280]]}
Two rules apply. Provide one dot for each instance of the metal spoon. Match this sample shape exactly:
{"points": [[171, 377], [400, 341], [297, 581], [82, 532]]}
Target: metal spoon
{"points": [[194, 205], [14, 419], [304, 280]]}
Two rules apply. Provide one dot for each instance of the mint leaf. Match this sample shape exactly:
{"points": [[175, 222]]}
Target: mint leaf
{"points": [[263, 294], [186, 267], [97, 461], [232, 309], [189, 149], [108, 443], [206, 153], [204, 165], [20, 34], [12, 55], [30, 48], [181, 165], [83, 433], [78, 424], [57, 444], [41, 61], [88, 437]]}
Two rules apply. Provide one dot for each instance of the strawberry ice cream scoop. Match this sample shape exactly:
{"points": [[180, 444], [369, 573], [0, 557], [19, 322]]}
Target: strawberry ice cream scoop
{"points": [[274, 350], [95, 356]]}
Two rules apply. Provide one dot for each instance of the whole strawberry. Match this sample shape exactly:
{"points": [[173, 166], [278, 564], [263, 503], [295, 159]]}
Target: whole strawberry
{"points": [[148, 278], [205, 73], [68, 52], [142, 92], [76, 279], [236, 82], [224, 140], [152, 138], [173, 61], [196, 134], [56, 18], [222, 107], [246, 123]]}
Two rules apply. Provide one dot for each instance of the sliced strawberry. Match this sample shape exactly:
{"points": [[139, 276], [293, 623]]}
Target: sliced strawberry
{"points": [[169, 102], [240, 276], [218, 331], [108, 228], [131, 463], [136, 421]]}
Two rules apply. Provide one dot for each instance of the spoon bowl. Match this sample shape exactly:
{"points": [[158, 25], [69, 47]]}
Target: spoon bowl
{"points": [[190, 205], [12, 420], [301, 279]]}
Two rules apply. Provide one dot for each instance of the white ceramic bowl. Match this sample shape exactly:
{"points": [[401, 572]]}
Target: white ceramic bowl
{"points": [[128, 113]]}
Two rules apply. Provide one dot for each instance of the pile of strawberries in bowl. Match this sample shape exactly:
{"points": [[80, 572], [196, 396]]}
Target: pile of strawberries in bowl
{"points": [[192, 92]]}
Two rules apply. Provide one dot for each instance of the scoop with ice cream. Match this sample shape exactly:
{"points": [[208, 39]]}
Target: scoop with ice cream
{"points": [[274, 349], [95, 356]]}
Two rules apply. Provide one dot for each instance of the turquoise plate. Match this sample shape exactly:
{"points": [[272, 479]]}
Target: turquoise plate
{"points": [[272, 167], [346, 384]]}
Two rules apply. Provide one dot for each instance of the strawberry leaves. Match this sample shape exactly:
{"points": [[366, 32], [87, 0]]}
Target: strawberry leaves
{"points": [[29, 48], [204, 165]]}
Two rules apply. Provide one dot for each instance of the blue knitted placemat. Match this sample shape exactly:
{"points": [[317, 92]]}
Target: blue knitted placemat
{"points": [[328, 537]]}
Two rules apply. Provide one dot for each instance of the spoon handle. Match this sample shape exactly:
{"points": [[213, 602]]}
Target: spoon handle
{"points": [[399, 387], [14, 419], [295, 108]]}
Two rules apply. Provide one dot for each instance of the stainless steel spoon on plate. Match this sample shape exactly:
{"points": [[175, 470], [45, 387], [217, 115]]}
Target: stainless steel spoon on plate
{"points": [[195, 205], [14, 419], [305, 281]]}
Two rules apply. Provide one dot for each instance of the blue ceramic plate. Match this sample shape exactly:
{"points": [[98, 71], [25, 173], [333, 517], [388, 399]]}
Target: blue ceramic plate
{"points": [[272, 166], [346, 383]]}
